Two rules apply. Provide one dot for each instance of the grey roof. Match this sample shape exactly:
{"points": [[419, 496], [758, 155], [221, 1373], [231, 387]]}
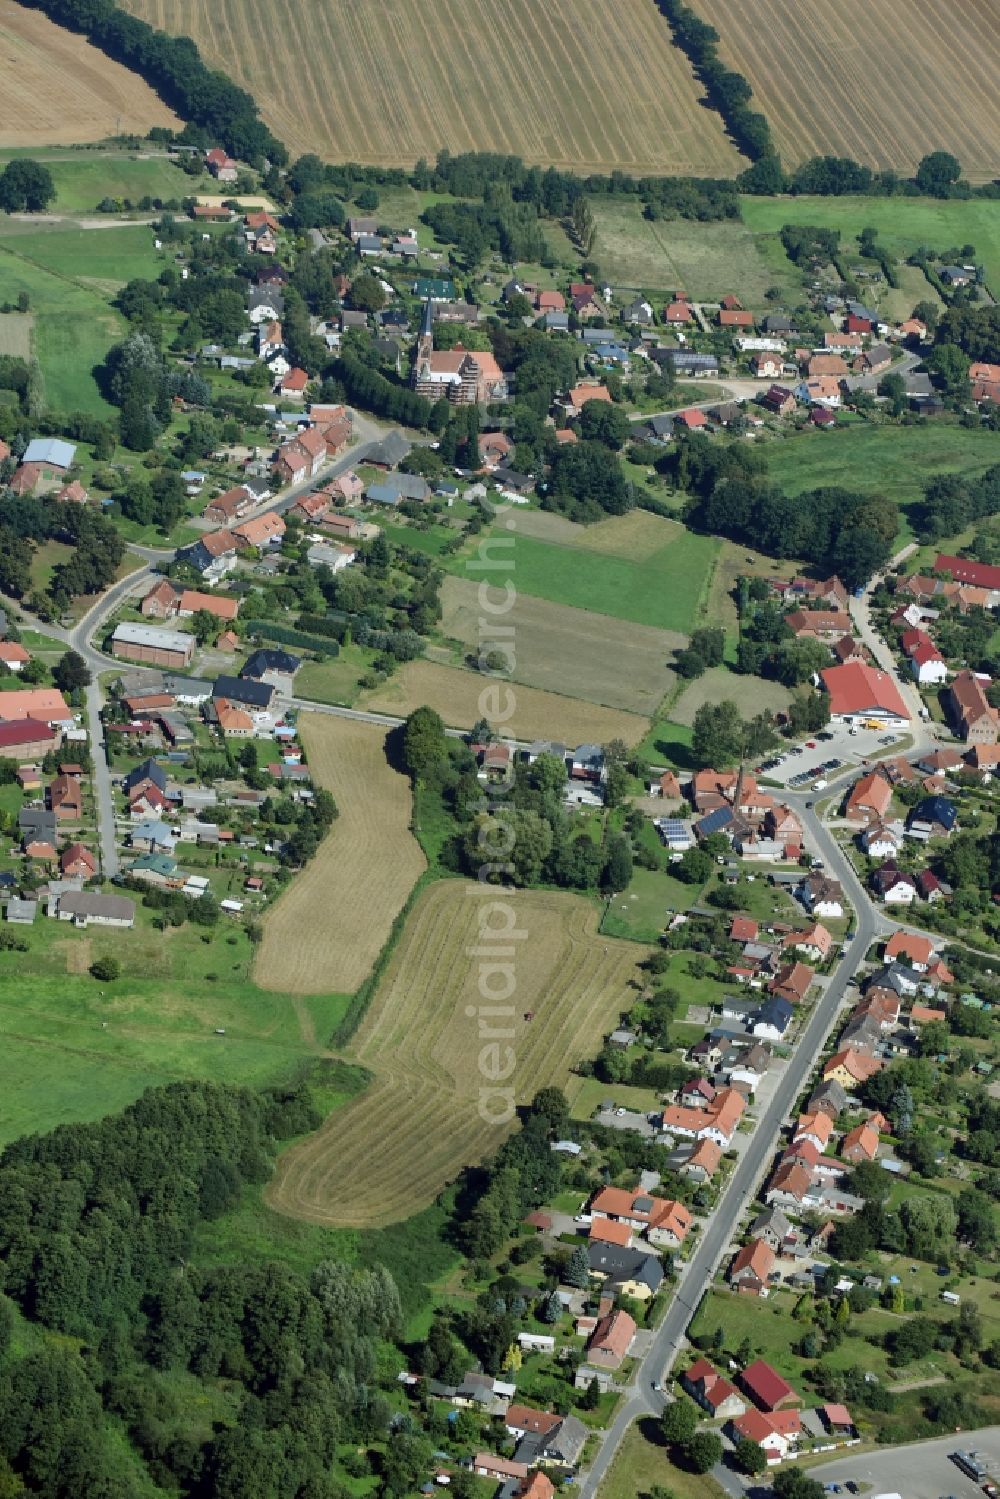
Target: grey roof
{"points": [[133, 633], [568, 1440], [50, 450], [382, 494], [93, 903], [556, 321], [714, 822], [407, 486], [771, 1219], [661, 426], [31, 819], [265, 296], [621, 1264], [776, 1012], [21, 910], [187, 686], [391, 450]]}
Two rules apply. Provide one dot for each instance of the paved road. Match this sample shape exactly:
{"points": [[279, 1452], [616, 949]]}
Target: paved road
{"points": [[718, 1233]]}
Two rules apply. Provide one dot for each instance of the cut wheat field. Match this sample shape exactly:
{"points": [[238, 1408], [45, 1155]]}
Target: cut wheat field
{"points": [[883, 82], [58, 89], [573, 83], [325, 931], [392, 1150], [457, 694]]}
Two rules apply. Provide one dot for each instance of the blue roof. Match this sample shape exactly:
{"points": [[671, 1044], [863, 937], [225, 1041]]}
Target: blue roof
{"points": [[50, 450], [714, 822], [936, 809], [776, 1012]]}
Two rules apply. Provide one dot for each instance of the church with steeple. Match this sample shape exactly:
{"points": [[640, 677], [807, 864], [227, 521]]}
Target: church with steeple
{"points": [[467, 377]]}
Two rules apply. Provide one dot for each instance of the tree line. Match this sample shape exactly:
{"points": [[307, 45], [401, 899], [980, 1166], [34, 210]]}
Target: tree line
{"points": [[173, 66]]}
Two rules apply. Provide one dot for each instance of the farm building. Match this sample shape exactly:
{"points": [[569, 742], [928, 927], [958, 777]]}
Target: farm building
{"points": [[136, 642]]}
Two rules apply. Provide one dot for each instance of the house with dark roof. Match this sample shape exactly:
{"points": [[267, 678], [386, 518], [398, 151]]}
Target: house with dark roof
{"points": [[934, 817], [276, 667], [248, 694], [632, 1271]]}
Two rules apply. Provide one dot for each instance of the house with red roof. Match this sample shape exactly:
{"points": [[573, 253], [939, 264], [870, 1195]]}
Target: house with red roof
{"points": [[611, 1340], [750, 1269], [918, 951], [859, 692], [869, 799], [703, 1382], [766, 1388], [978, 574], [743, 929], [692, 419], [775, 1432]]}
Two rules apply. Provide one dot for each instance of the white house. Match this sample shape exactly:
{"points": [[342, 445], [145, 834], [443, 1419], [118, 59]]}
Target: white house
{"points": [[880, 842], [929, 666], [901, 892]]}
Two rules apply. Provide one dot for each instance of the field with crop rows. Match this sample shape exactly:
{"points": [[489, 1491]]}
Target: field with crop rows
{"points": [[325, 931], [391, 1150], [572, 84], [58, 88], [884, 83]]}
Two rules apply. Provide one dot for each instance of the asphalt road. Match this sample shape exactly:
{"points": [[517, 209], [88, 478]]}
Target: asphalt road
{"points": [[718, 1232]]}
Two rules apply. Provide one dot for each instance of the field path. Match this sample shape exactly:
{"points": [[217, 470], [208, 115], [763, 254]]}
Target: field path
{"points": [[325, 931], [392, 1150]]}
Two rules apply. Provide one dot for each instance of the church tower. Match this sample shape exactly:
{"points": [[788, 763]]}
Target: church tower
{"points": [[425, 343]]}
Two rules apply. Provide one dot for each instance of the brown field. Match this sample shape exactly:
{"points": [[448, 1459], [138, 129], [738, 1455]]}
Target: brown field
{"points": [[392, 1150], [883, 83], [573, 83], [562, 649], [15, 334], [455, 693], [750, 694], [634, 535], [325, 931], [58, 89]]}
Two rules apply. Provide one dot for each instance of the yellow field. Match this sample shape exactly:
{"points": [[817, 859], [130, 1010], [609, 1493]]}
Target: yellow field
{"points": [[392, 1150], [455, 694], [882, 82], [15, 334], [58, 89], [325, 932], [573, 83], [635, 534]]}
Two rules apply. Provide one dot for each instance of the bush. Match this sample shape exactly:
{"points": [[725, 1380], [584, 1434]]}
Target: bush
{"points": [[105, 969]]}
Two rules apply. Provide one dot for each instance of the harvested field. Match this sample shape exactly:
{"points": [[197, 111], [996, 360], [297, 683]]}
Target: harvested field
{"points": [[57, 88], [813, 75], [567, 650], [325, 931], [750, 694], [456, 694], [15, 334], [387, 81], [392, 1150]]}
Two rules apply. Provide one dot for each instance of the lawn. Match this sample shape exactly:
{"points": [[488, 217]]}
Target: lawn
{"points": [[666, 587], [68, 276], [705, 260], [83, 178], [75, 1048], [903, 224], [641, 1464], [334, 680], [642, 910], [668, 743], [895, 461], [585, 1094]]}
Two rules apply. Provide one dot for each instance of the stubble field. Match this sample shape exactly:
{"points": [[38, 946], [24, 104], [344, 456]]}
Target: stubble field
{"points": [[455, 694], [393, 1149], [572, 84], [884, 84], [325, 932], [562, 649], [57, 88]]}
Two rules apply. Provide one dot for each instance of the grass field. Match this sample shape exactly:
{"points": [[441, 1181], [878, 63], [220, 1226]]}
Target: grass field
{"points": [[810, 70], [641, 1464], [895, 461], [391, 1151], [388, 82], [705, 260], [324, 933], [83, 178], [73, 1048], [562, 649], [750, 694], [58, 88], [68, 275], [651, 570], [903, 224], [456, 694]]}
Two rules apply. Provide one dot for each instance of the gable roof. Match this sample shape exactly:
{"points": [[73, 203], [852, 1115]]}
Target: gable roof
{"points": [[757, 1257], [857, 687], [765, 1385]]}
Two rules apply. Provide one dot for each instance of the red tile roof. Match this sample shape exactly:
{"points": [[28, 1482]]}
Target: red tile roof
{"points": [[765, 1385]]}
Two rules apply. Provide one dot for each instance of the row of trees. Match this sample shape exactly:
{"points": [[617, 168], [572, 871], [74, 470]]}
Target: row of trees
{"points": [[174, 67], [837, 529]]}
